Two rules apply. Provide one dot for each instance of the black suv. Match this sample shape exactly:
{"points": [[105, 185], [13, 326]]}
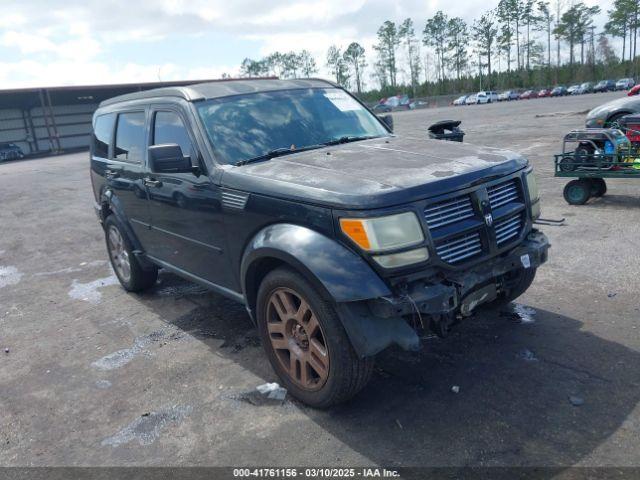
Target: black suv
{"points": [[291, 197]]}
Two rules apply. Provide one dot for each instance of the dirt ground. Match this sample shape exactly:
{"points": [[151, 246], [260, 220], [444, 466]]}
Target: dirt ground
{"points": [[91, 375]]}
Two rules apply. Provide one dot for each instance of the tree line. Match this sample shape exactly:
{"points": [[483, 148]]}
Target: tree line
{"points": [[517, 44]]}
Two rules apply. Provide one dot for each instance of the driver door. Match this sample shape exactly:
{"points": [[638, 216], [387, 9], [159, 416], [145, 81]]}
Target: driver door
{"points": [[186, 217]]}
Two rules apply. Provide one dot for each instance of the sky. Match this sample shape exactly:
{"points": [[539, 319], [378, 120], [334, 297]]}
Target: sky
{"points": [[85, 42]]}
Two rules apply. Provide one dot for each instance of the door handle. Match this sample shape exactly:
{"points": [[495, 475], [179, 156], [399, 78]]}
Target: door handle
{"points": [[111, 173], [150, 182]]}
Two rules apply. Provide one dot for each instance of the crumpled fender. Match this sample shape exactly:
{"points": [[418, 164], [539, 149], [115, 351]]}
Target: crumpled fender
{"points": [[343, 274]]}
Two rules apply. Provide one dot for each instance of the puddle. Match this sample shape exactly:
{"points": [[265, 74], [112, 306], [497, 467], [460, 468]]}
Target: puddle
{"points": [[9, 276], [526, 314], [122, 357], [520, 313], [88, 292], [103, 384], [146, 429]]}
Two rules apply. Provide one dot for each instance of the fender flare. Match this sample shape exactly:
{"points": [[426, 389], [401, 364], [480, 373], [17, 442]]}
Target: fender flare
{"points": [[344, 275], [112, 203]]}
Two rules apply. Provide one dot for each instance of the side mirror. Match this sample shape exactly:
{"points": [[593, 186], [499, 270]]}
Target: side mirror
{"points": [[388, 121], [168, 158]]}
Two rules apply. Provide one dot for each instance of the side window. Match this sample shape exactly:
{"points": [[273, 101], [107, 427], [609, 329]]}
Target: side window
{"points": [[168, 128], [101, 138], [130, 140]]}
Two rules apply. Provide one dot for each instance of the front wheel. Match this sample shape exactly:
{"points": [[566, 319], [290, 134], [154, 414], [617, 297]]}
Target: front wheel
{"points": [[577, 192], [516, 283], [306, 342]]}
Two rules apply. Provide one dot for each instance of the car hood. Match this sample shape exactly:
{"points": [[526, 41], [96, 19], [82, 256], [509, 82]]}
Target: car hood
{"points": [[631, 104], [374, 173]]}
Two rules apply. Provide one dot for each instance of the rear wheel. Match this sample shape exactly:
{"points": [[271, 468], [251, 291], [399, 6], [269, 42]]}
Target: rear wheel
{"points": [[598, 187], [132, 276], [306, 342], [577, 192]]}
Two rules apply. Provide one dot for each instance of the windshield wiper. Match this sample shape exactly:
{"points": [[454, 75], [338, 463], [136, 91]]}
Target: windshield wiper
{"points": [[277, 152], [349, 138]]}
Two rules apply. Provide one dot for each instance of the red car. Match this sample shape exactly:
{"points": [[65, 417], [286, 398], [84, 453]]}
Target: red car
{"points": [[528, 94], [634, 91], [544, 93]]}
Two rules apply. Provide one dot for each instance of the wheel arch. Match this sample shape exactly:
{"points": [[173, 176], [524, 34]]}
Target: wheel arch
{"points": [[342, 275]]}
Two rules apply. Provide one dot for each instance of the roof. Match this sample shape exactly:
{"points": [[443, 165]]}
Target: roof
{"points": [[219, 89]]}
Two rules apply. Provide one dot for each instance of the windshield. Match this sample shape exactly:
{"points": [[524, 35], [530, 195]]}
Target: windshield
{"points": [[244, 127]]}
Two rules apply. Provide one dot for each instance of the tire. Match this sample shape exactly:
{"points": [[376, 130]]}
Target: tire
{"points": [[598, 187], [287, 304], [180, 200], [577, 192], [134, 278], [518, 282], [567, 164]]}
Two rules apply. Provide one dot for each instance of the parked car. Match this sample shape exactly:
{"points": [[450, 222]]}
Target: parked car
{"points": [[382, 108], [486, 97], [471, 99], [508, 95], [418, 104], [634, 90], [609, 113], [604, 86], [528, 94], [330, 230], [460, 100], [544, 93], [572, 89], [625, 83], [559, 91], [586, 87], [10, 151]]}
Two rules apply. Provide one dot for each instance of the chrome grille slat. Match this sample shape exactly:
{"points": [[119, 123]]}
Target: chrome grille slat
{"points": [[459, 248], [508, 228], [449, 211], [503, 193]]}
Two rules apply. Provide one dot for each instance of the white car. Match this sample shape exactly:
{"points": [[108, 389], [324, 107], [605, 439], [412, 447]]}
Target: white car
{"points": [[625, 84], [486, 97], [471, 100], [460, 100]]}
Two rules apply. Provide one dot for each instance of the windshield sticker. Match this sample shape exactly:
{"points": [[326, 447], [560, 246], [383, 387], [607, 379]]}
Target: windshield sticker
{"points": [[342, 101]]}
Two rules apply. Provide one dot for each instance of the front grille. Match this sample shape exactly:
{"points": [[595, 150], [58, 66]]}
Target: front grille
{"points": [[449, 211], [503, 193], [459, 248], [508, 228]]}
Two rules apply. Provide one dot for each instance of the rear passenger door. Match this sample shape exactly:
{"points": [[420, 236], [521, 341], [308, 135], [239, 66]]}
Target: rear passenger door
{"points": [[186, 218], [124, 169]]}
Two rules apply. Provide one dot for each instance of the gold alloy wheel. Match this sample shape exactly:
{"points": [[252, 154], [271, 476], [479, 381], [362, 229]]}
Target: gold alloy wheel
{"points": [[297, 339]]}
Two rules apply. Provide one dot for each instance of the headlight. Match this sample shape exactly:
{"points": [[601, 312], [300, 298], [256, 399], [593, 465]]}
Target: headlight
{"points": [[394, 260], [534, 195], [532, 186], [383, 233]]}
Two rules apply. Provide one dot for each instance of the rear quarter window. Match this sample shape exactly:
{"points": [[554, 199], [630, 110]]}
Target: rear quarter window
{"points": [[102, 131]]}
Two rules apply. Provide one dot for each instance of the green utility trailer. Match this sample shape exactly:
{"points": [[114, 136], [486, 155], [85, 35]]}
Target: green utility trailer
{"points": [[590, 156]]}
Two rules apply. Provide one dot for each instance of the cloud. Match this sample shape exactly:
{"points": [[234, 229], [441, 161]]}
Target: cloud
{"points": [[81, 41]]}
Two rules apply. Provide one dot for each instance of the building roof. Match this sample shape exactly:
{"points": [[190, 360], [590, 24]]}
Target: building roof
{"points": [[221, 88]]}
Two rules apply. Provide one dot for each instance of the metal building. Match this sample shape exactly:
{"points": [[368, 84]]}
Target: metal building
{"points": [[57, 119]]}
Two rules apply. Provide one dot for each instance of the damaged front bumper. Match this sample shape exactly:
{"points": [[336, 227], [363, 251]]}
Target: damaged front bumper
{"points": [[375, 324]]}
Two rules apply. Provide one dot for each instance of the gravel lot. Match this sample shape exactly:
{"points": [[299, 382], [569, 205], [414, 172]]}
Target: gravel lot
{"points": [[96, 376]]}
